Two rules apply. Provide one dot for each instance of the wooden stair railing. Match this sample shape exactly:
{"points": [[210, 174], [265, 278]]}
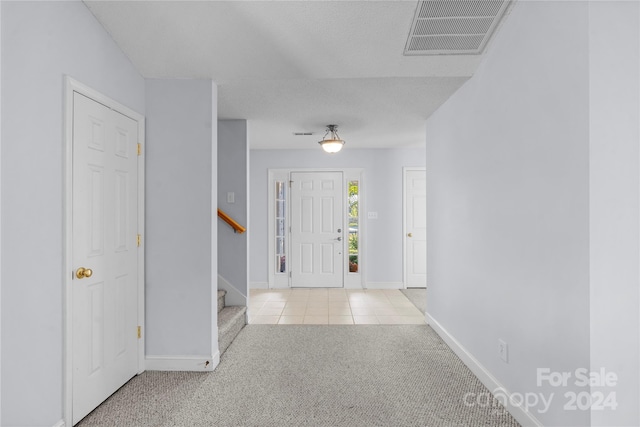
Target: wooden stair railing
{"points": [[237, 228]]}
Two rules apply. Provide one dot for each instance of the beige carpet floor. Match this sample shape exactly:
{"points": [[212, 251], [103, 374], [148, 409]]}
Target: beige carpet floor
{"points": [[304, 375]]}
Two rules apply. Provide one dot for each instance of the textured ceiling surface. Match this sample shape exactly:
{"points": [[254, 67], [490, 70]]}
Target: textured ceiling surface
{"points": [[295, 66]]}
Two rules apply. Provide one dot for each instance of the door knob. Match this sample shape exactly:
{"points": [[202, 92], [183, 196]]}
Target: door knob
{"points": [[339, 239], [82, 272], [409, 235]]}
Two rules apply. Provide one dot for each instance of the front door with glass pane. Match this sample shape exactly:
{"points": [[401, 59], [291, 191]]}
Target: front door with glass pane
{"points": [[317, 230]]}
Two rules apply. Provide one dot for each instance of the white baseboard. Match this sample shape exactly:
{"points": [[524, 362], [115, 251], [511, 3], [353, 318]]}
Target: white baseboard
{"points": [[233, 296], [259, 285], [59, 424], [384, 285], [182, 363], [523, 416], [370, 285]]}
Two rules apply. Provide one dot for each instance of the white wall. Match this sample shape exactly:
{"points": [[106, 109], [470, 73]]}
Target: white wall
{"points": [[508, 204], [42, 42], [233, 172], [533, 206], [614, 73], [382, 194], [180, 239]]}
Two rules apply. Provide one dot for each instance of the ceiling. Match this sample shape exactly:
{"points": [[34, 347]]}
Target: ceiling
{"points": [[295, 66]]}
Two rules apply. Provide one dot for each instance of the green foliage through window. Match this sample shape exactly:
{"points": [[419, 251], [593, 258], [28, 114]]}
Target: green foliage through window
{"points": [[354, 192]]}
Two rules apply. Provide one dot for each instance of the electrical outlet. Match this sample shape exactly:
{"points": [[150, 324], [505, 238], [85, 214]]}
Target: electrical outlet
{"points": [[503, 351], [231, 197]]}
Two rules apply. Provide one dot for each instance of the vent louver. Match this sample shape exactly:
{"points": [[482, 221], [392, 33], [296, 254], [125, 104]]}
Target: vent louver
{"points": [[442, 27]]}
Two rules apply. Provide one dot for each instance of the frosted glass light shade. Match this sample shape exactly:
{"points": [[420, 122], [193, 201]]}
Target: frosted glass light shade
{"points": [[332, 145]]}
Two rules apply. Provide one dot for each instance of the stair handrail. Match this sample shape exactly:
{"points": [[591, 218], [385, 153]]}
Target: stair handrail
{"points": [[237, 228]]}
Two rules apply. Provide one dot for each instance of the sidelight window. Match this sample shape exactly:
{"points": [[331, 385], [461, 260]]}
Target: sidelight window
{"points": [[354, 228], [280, 227]]}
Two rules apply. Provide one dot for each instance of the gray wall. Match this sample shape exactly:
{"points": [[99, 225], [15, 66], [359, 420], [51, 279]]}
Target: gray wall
{"points": [[533, 177], [233, 164], [181, 184], [614, 91], [383, 194], [42, 42], [508, 205]]}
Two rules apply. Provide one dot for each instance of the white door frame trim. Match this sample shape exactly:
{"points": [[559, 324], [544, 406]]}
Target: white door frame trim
{"points": [[0, 201], [351, 280], [71, 86], [404, 219]]}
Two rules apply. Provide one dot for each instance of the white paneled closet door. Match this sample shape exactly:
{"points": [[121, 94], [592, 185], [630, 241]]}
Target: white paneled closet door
{"points": [[104, 253]]}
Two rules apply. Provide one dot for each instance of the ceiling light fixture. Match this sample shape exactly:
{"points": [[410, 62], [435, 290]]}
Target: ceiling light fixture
{"points": [[333, 144]]}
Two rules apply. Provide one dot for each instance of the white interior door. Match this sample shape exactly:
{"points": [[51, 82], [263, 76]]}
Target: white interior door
{"points": [[415, 228], [317, 232], [104, 229]]}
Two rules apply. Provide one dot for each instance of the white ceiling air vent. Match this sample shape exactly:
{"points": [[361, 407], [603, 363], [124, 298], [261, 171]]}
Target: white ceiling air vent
{"points": [[453, 27]]}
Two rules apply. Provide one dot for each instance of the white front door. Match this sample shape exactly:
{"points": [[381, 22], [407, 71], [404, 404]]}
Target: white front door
{"points": [[317, 231], [104, 229], [415, 185]]}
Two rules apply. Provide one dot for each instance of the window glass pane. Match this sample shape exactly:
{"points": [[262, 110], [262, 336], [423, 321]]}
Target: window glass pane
{"points": [[354, 235], [280, 209], [280, 190], [279, 227]]}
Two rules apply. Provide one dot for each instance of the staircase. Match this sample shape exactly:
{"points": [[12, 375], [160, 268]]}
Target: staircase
{"points": [[231, 320]]}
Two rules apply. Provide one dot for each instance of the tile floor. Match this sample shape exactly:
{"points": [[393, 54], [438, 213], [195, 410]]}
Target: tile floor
{"points": [[332, 307]]}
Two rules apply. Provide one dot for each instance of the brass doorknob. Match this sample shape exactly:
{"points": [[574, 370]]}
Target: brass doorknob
{"points": [[82, 272], [409, 235]]}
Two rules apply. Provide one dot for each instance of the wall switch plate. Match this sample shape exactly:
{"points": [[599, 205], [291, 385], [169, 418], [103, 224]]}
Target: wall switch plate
{"points": [[231, 197], [503, 351]]}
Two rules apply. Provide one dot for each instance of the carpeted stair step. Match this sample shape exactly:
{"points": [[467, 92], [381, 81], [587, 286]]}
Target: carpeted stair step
{"points": [[231, 320], [221, 295]]}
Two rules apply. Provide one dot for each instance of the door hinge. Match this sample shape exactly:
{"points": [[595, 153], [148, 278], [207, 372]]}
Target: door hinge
{"points": [[139, 332], [139, 240], [139, 149], [289, 274]]}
